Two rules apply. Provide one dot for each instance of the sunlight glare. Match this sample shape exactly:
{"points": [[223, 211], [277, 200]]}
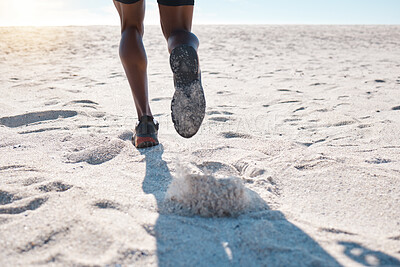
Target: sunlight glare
{"points": [[53, 13], [24, 12]]}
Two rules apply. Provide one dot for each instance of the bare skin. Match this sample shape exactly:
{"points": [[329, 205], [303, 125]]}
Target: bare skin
{"points": [[176, 24]]}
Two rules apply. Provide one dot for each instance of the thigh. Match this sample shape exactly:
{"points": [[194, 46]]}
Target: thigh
{"points": [[175, 18], [131, 13]]}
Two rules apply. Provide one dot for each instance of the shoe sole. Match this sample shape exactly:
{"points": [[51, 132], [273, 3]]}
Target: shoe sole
{"points": [[188, 103], [144, 141]]}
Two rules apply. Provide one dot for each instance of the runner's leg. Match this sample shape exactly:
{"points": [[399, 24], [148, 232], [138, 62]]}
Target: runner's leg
{"points": [[188, 102], [132, 53], [176, 24]]}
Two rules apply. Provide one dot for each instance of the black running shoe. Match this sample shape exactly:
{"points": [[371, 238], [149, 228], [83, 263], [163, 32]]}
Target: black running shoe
{"points": [[146, 132], [188, 104]]}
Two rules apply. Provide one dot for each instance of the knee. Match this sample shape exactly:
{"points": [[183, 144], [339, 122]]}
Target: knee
{"points": [[137, 28]]}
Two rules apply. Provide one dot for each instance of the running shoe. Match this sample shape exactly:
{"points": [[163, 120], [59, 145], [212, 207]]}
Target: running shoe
{"points": [[188, 104], [146, 132]]}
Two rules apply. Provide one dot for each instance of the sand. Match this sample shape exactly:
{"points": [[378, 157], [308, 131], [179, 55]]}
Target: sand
{"points": [[307, 118]]}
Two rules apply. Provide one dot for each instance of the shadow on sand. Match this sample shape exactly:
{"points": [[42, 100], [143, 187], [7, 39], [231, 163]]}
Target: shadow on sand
{"points": [[263, 238], [367, 257]]}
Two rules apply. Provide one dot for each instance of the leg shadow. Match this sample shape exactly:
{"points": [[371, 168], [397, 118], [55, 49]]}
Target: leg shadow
{"points": [[263, 238], [368, 257]]}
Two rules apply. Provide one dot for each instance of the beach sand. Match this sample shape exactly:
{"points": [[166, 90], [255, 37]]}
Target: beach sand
{"points": [[307, 118]]}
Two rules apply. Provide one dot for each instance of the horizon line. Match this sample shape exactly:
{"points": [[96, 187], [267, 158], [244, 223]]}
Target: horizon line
{"points": [[216, 24]]}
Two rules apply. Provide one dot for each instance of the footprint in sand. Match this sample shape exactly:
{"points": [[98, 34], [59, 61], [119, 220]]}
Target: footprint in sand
{"points": [[217, 168], [79, 236], [29, 118], [31, 205], [44, 240], [12, 204], [99, 154], [248, 169], [7, 198], [55, 187]]}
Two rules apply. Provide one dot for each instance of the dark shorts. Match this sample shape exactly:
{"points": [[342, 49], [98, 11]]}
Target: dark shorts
{"points": [[164, 2]]}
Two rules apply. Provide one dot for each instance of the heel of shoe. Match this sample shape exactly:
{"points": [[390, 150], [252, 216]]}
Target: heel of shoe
{"points": [[184, 64]]}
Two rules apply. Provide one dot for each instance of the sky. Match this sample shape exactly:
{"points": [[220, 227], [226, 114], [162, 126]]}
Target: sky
{"points": [[102, 12]]}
